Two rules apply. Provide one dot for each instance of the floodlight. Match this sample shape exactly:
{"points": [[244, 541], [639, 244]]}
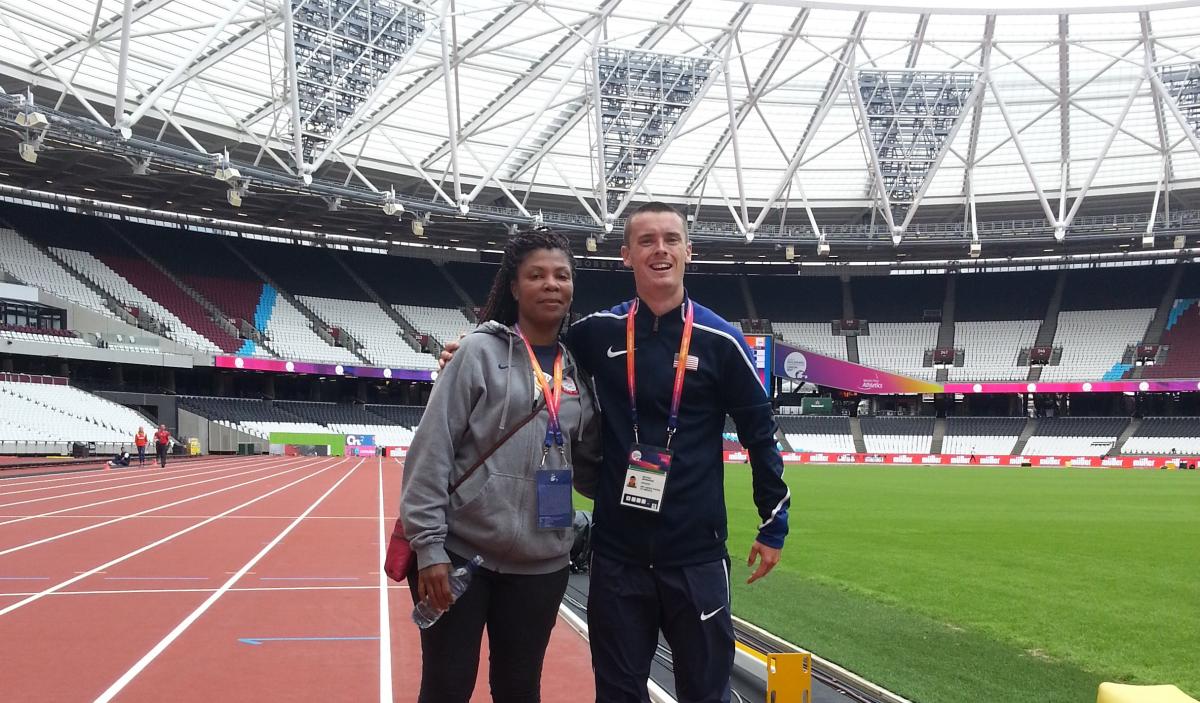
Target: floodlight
{"points": [[897, 235], [225, 171], [976, 249], [822, 247], [234, 197], [789, 252], [590, 245], [390, 206], [418, 227], [1060, 232], [32, 119], [750, 230], [28, 151], [1148, 240]]}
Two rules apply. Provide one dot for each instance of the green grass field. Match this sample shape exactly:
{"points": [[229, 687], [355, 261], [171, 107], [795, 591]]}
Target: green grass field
{"points": [[954, 585]]}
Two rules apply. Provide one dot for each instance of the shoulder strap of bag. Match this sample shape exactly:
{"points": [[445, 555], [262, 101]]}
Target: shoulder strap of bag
{"points": [[484, 457]]}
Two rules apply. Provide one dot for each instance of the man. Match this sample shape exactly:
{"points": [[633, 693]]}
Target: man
{"points": [[120, 460], [659, 559], [140, 440], [162, 439]]}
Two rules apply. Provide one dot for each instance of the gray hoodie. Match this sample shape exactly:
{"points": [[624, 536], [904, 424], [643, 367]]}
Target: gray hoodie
{"points": [[486, 389]]}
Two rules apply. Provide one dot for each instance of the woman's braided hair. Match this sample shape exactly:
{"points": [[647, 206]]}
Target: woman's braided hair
{"points": [[501, 306]]}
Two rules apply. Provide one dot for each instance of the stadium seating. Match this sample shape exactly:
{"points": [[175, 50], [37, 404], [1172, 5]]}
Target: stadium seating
{"points": [[1165, 435], [1181, 359], [990, 349], [36, 412], [392, 425], [377, 334], [45, 335], [1075, 436], [30, 265], [899, 347], [443, 324], [146, 278], [815, 433], [120, 288], [897, 434], [1094, 341], [406, 415], [291, 335], [817, 336], [982, 435]]}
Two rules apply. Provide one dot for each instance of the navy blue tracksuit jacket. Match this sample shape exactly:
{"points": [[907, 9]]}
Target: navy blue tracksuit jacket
{"points": [[691, 527]]}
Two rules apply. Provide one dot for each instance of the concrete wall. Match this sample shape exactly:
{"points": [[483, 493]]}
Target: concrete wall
{"points": [[215, 437]]}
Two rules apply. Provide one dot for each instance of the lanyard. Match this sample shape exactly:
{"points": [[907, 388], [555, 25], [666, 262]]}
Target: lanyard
{"points": [[553, 396], [681, 367]]}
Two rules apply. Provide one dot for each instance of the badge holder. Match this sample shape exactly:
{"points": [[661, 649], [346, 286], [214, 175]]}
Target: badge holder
{"points": [[554, 507], [646, 478]]}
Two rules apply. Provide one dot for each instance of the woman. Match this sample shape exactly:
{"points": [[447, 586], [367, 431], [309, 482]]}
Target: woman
{"points": [[139, 441], [510, 378]]}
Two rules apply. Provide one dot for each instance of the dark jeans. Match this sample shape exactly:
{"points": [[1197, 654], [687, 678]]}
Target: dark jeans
{"points": [[162, 454], [629, 604], [141, 455], [519, 612]]}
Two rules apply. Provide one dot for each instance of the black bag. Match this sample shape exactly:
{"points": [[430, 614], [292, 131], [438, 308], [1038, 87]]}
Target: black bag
{"points": [[581, 550]]}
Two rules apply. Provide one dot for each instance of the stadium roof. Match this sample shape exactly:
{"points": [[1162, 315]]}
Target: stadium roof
{"points": [[814, 114]]}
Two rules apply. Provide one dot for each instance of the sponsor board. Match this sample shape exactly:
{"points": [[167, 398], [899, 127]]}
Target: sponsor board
{"points": [[990, 460], [902, 459], [931, 459], [1116, 462], [960, 459], [820, 458], [847, 458], [873, 459], [1143, 461]]}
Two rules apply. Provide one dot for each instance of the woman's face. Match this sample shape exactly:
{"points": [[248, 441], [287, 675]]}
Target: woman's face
{"points": [[544, 286]]}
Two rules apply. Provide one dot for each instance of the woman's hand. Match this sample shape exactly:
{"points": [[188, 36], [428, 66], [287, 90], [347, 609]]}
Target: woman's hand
{"points": [[433, 582]]}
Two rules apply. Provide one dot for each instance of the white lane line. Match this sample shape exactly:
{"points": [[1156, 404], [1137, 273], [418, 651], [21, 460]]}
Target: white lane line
{"points": [[122, 477], [84, 574], [385, 618], [139, 495], [247, 589], [112, 488], [371, 518], [174, 634]]}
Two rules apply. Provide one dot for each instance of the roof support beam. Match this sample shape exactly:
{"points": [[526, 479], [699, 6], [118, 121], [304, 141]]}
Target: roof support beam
{"points": [[1160, 118], [1064, 114], [101, 31], [968, 189]]}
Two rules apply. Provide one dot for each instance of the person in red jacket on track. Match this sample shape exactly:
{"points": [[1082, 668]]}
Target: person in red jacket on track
{"points": [[162, 439], [140, 440]]}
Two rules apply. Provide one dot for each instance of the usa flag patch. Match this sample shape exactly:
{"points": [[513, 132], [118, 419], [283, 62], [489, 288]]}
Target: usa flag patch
{"points": [[693, 363]]}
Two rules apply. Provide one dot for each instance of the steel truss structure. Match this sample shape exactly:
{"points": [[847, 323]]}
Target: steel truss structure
{"points": [[742, 113]]}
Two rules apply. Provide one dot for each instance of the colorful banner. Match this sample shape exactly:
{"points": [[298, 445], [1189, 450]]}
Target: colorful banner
{"points": [[246, 363], [762, 351], [307, 444], [360, 445], [1127, 386], [804, 365], [919, 459]]}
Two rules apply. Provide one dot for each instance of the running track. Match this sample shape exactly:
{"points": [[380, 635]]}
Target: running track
{"points": [[219, 579]]}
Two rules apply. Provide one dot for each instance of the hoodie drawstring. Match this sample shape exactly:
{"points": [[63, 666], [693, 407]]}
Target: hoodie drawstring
{"points": [[507, 384]]}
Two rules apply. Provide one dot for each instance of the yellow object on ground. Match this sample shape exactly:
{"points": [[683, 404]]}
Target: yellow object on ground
{"points": [[1125, 693], [789, 678]]}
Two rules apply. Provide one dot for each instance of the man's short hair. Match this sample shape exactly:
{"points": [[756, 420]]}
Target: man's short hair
{"points": [[655, 206]]}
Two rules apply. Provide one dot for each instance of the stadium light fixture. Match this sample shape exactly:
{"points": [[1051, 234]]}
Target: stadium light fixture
{"points": [[822, 247], [1060, 232], [789, 252], [418, 227], [897, 235], [28, 151], [390, 206], [590, 244], [225, 171], [976, 248]]}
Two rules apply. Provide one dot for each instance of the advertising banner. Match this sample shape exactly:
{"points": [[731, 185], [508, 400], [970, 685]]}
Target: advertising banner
{"points": [[307, 444], [804, 365], [985, 460], [360, 445]]}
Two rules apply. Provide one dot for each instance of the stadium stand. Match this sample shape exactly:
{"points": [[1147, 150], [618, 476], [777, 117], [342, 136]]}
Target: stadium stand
{"points": [[1075, 436], [304, 270], [899, 347], [47, 335], [816, 433], [1165, 435], [134, 299], [391, 425], [377, 334], [48, 413], [475, 279], [292, 337], [897, 434], [817, 336], [991, 349], [443, 324], [982, 435], [30, 265], [406, 415], [1181, 336], [401, 280], [1094, 342]]}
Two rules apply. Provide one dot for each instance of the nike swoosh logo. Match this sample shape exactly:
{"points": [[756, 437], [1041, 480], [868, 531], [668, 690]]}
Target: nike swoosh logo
{"points": [[614, 354], [705, 616]]}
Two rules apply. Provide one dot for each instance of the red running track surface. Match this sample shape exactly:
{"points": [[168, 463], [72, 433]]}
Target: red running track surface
{"points": [[222, 579]]}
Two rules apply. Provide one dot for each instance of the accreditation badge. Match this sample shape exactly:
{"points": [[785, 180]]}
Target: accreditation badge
{"points": [[646, 478], [554, 509]]}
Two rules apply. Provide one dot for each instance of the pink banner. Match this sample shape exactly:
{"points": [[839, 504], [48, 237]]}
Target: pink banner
{"points": [[919, 459]]}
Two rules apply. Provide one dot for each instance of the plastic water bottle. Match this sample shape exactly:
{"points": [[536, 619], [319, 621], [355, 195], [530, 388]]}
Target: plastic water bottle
{"points": [[425, 614]]}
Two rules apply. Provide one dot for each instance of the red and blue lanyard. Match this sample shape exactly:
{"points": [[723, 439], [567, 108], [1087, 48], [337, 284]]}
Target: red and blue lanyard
{"points": [[553, 396], [680, 369]]}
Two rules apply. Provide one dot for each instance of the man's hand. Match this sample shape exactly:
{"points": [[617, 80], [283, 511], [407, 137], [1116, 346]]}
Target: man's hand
{"points": [[768, 557], [433, 582], [447, 354]]}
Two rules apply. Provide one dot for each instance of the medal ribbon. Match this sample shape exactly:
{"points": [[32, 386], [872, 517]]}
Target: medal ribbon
{"points": [[681, 368], [553, 396]]}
